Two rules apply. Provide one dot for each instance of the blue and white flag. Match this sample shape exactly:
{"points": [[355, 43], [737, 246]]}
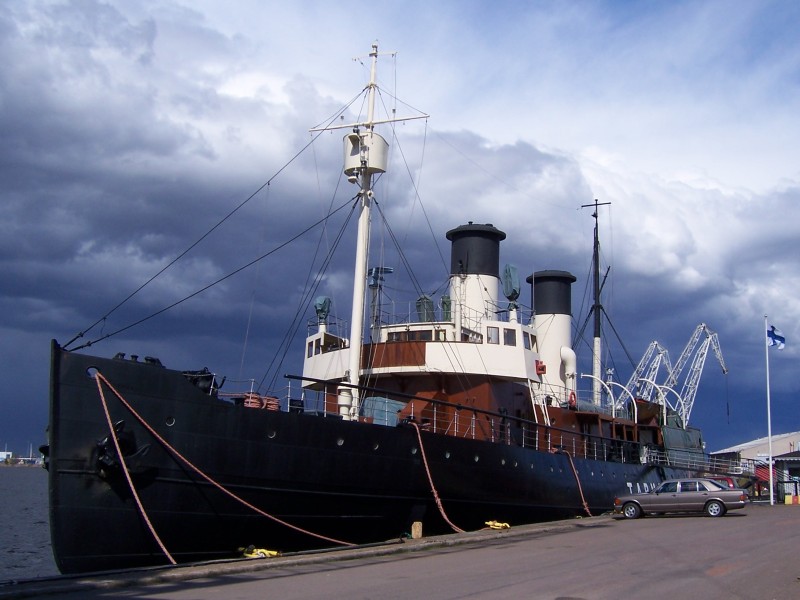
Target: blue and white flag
{"points": [[775, 337]]}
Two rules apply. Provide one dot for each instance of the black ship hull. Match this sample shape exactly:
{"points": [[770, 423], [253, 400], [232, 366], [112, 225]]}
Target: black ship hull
{"points": [[344, 480]]}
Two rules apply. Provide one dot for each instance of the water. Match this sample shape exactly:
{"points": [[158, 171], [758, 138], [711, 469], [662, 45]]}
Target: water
{"points": [[25, 550]]}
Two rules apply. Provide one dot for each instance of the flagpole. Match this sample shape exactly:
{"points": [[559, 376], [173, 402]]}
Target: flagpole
{"points": [[769, 417]]}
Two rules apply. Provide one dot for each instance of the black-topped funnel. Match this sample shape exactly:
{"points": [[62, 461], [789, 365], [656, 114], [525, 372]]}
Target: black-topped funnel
{"points": [[552, 292], [475, 250]]}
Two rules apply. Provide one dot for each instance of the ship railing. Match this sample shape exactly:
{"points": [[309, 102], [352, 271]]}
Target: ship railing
{"points": [[547, 394], [461, 421], [493, 427], [442, 311], [337, 327], [700, 462]]}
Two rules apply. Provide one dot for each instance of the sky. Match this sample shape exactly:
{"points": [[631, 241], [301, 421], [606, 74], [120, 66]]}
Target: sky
{"points": [[129, 130]]}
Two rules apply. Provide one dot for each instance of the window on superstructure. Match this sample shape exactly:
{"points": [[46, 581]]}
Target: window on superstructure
{"points": [[473, 337], [493, 335], [310, 351], [526, 340], [510, 337]]}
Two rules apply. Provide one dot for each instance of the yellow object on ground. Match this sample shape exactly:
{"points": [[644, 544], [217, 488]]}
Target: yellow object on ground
{"points": [[253, 552]]}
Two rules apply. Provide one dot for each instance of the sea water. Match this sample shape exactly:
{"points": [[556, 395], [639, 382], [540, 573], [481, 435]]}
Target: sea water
{"points": [[25, 551]]}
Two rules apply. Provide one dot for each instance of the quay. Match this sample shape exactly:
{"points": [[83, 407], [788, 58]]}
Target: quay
{"points": [[749, 554]]}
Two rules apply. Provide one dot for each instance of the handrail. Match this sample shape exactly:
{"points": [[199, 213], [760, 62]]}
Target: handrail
{"points": [[507, 429], [511, 430]]}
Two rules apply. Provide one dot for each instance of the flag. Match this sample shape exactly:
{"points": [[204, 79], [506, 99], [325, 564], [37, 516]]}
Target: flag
{"points": [[775, 337]]}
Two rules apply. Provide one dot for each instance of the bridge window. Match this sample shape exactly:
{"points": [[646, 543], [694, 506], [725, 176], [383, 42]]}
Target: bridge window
{"points": [[493, 335], [510, 337], [424, 335], [526, 340]]}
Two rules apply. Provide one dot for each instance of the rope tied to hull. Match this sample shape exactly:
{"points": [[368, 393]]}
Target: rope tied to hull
{"points": [[578, 481], [101, 378], [430, 480], [128, 478]]}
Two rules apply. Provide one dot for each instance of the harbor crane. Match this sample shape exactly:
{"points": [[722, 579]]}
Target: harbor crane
{"points": [[640, 384], [655, 356]]}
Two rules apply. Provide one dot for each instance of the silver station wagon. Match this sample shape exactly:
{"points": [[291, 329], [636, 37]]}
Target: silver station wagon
{"points": [[682, 495]]}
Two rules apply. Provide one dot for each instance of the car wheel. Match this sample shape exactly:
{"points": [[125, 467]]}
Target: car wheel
{"points": [[715, 509], [631, 510]]}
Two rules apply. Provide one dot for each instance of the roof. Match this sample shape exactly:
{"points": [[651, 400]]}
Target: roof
{"points": [[758, 442]]}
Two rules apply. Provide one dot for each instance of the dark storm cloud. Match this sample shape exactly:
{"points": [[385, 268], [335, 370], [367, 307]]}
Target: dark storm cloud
{"points": [[128, 131]]}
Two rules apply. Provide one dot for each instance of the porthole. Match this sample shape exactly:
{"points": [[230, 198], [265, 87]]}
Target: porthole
{"points": [[413, 451], [271, 434], [502, 461], [447, 454], [375, 446], [170, 421], [477, 458], [340, 442], [516, 464]]}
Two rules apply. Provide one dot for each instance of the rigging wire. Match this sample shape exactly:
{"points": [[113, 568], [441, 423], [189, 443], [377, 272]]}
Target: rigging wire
{"points": [[252, 302], [210, 285], [291, 331], [102, 319], [303, 305]]}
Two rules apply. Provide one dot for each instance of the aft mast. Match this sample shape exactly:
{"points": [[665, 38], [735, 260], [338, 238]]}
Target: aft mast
{"points": [[597, 307]]}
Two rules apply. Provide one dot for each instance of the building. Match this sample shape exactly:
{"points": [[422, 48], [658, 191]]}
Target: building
{"points": [[786, 461]]}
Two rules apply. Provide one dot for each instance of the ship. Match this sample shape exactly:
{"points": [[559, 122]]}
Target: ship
{"points": [[462, 414]]}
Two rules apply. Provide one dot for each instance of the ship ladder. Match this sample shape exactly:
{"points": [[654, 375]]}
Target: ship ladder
{"points": [[536, 400]]}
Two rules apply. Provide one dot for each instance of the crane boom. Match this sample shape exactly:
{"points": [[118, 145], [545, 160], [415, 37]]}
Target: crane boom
{"points": [[651, 361], [689, 389], [656, 355]]}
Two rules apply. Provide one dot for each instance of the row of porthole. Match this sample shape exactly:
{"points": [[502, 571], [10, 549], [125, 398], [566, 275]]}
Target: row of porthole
{"points": [[340, 442]]}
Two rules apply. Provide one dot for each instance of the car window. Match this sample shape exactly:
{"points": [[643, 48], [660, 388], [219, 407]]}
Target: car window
{"points": [[669, 486], [689, 486], [713, 486]]}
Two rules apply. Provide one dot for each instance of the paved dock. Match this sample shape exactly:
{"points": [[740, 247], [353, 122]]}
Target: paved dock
{"points": [[749, 554]]}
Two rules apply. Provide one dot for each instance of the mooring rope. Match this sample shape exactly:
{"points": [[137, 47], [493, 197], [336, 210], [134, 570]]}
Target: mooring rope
{"points": [[139, 504], [197, 470], [430, 480], [578, 481]]}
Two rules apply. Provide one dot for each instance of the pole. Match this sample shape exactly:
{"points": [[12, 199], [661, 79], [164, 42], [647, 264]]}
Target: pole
{"points": [[769, 416]]}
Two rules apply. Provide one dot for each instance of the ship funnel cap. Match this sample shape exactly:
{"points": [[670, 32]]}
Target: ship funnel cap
{"points": [[552, 292], [475, 249]]}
